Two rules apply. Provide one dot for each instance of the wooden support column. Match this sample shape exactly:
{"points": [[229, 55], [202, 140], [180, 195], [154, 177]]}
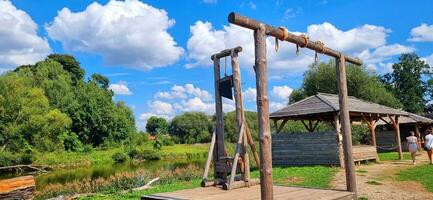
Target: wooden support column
{"points": [[396, 127], [240, 116], [260, 67], [345, 125], [418, 136], [219, 129], [372, 123], [339, 140]]}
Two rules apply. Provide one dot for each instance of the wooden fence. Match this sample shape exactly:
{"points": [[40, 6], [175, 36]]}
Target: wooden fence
{"points": [[296, 149]]}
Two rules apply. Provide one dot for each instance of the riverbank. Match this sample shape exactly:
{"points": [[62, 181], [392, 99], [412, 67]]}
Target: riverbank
{"points": [[314, 176], [99, 156]]}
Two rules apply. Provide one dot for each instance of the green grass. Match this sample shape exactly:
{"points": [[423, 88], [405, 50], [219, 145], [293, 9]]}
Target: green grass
{"points": [[393, 156], [361, 171], [421, 173], [315, 177], [64, 159], [374, 182]]}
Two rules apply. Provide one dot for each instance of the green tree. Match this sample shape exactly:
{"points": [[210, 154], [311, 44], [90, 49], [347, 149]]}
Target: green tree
{"points": [[191, 127], [360, 84], [230, 125], [406, 82], [156, 125], [101, 80], [70, 65]]}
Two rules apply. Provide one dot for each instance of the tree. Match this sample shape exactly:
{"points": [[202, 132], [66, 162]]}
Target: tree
{"points": [[70, 65], [191, 127], [406, 82], [360, 84], [101, 80], [156, 125], [230, 125]]}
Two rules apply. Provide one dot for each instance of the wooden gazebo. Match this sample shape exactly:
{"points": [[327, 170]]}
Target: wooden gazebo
{"points": [[324, 107]]}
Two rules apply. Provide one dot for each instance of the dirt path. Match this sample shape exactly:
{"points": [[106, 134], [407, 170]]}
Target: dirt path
{"points": [[376, 181]]}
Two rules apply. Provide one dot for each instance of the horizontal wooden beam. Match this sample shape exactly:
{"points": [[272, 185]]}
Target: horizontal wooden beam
{"points": [[226, 52], [287, 36]]}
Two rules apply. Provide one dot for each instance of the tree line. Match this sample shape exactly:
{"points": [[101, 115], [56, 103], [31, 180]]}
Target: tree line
{"points": [[51, 106]]}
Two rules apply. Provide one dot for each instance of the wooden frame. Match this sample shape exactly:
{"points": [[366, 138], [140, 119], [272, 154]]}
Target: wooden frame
{"points": [[261, 30]]}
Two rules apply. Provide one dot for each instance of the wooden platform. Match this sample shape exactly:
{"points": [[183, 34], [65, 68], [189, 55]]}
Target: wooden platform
{"points": [[253, 192]]}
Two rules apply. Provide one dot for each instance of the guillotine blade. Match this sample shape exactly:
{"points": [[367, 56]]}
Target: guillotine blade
{"points": [[226, 85]]}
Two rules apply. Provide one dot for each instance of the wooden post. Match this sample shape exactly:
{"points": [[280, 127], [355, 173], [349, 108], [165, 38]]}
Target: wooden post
{"points": [[209, 159], [418, 136], [219, 129], [339, 140], [345, 124], [396, 127], [240, 116], [260, 66]]}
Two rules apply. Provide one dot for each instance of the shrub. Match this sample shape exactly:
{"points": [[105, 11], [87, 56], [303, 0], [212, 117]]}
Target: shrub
{"points": [[72, 142], [119, 157], [87, 148], [7, 159], [133, 153], [167, 140], [26, 159], [150, 155]]}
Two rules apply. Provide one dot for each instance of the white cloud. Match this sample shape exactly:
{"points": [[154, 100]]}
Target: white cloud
{"points": [[252, 5], [126, 33], [19, 41], [250, 94], [161, 108], [282, 92], [274, 106], [429, 60], [367, 41], [422, 33], [182, 92], [120, 88]]}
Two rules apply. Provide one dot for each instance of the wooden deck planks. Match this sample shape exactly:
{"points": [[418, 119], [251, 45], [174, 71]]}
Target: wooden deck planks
{"points": [[252, 193]]}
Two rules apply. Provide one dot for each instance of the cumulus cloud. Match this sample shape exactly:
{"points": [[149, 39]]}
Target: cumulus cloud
{"points": [[250, 94], [274, 106], [429, 60], [182, 92], [281, 92], [120, 88], [19, 41], [367, 41], [422, 33], [126, 33]]}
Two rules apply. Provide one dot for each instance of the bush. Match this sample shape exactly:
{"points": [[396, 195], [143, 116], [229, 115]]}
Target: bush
{"points": [[150, 155], [8, 159], [167, 140], [26, 159], [133, 153], [72, 142], [119, 157], [360, 134], [87, 148]]}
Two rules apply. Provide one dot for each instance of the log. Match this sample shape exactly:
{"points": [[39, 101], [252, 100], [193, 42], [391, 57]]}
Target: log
{"points": [[17, 188], [147, 186], [219, 129], [345, 125], [260, 66], [280, 34], [241, 184]]}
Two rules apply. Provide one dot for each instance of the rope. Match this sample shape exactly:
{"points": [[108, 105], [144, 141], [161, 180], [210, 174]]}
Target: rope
{"points": [[322, 50], [283, 38], [306, 39]]}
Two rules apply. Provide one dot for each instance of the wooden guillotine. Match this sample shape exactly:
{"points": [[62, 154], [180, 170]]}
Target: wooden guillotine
{"points": [[230, 172]]}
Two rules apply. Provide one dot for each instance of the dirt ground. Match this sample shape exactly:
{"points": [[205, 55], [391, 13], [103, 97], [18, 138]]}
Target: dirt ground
{"points": [[376, 181]]}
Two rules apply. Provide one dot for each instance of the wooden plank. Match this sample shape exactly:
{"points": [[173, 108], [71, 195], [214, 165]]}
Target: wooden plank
{"points": [[219, 129], [17, 188], [260, 67], [209, 159]]}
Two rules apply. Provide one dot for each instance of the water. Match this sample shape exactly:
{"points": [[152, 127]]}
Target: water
{"points": [[63, 176]]}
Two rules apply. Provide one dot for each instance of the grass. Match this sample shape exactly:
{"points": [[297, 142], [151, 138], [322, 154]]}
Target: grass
{"points": [[361, 171], [315, 177], [64, 159], [374, 182], [421, 173], [393, 156]]}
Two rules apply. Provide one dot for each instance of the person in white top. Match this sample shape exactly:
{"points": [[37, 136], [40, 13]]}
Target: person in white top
{"points": [[412, 145], [428, 145]]}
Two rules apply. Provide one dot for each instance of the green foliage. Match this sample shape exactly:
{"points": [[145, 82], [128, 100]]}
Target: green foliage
{"points": [[119, 157], [360, 83], [72, 142], [406, 82], [156, 125], [42, 105], [230, 125], [191, 127], [150, 155], [360, 134]]}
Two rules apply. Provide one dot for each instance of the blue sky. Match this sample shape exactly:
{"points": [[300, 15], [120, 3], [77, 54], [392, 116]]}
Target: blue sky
{"points": [[156, 53]]}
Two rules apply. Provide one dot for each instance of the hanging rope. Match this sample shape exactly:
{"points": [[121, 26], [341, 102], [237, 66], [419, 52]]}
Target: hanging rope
{"points": [[322, 50], [306, 39], [283, 38]]}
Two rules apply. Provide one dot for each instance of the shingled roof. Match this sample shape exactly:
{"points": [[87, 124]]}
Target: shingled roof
{"points": [[324, 105], [410, 119]]}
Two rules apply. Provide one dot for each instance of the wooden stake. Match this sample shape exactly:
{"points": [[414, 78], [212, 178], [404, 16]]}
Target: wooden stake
{"points": [[418, 136], [209, 159], [340, 140], [260, 66], [240, 115], [252, 146], [345, 124], [220, 148], [237, 154]]}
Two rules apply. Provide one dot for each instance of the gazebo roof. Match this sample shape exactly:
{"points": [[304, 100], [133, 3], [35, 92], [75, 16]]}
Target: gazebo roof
{"points": [[411, 119], [323, 106]]}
